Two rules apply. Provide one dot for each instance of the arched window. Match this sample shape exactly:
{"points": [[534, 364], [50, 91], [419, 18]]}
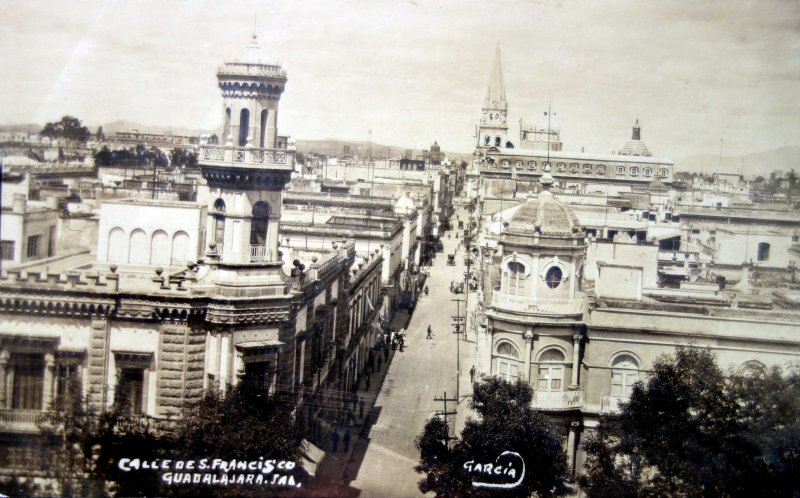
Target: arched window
{"points": [[497, 141], [518, 164], [752, 367], [601, 169], [620, 170], [551, 373], [662, 172], [116, 246], [138, 249], [573, 168], [262, 141], [553, 277], [763, 251], [244, 127], [634, 171], [515, 275], [561, 167], [159, 248], [624, 373], [507, 361], [227, 129], [532, 165], [487, 140], [587, 169], [647, 172], [181, 252], [258, 227], [219, 221]]}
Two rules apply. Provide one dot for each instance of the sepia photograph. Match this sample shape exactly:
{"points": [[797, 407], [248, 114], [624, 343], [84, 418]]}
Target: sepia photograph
{"points": [[531, 248]]}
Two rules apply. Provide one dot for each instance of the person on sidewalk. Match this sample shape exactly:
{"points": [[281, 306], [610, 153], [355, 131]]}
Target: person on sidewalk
{"points": [[472, 374], [367, 382], [361, 408], [430, 333], [335, 440], [347, 440]]}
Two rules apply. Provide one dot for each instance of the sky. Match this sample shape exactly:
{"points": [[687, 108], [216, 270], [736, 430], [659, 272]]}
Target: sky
{"points": [[700, 76]]}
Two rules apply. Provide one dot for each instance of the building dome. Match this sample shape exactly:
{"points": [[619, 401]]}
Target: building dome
{"points": [[404, 206], [546, 215], [635, 147]]}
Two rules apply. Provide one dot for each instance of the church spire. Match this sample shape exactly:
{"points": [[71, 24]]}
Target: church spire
{"points": [[496, 93]]}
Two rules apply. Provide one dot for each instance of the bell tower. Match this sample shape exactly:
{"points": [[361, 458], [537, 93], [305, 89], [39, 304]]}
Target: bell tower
{"points": [[493, 129], [248, 171], [251, 91]]}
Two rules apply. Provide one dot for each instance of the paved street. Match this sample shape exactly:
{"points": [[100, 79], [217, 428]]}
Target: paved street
{"points": [[426, 369]]}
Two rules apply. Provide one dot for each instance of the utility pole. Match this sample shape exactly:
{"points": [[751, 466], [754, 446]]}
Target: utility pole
{"points": [[458, 320], [444, 413]]}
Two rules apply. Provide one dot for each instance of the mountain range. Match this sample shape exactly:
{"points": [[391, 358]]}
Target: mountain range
{"points": [[750, 165]]}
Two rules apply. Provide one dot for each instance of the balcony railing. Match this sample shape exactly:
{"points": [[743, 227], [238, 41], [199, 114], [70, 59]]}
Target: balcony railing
{"points": [[259, 254], [610, 404], [558, 400], [28, 421], [554, 305], [246, 156]]}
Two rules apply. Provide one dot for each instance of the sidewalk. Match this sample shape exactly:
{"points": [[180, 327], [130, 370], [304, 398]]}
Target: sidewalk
{"points": [[338, 468]]}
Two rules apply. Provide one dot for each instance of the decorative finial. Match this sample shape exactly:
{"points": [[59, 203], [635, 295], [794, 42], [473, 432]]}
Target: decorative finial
{"points": [[546, 180]]}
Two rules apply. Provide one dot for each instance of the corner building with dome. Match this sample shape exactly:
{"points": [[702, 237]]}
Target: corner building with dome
{"points": [[582, 319]]}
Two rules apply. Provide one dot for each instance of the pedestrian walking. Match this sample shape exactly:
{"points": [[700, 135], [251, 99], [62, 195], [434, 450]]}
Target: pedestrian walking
{"points": [[347, 440], [430, 333], [361, 408], [380, 363], [472, 374], [386, 355], [335, 440], [367, 382]]}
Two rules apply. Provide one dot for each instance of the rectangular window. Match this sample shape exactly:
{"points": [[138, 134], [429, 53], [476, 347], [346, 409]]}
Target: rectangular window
{"points": [[131, 389], [51, 243], [7, 250], [67, 382], [28, 381], [33, 245]]}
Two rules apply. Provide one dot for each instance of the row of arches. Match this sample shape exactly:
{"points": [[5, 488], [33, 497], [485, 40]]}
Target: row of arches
{"points": [[588, 169], [244, 126], [56, 308], [158, 248]]}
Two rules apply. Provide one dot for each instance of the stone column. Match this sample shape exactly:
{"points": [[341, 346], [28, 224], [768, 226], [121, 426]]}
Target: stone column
{"points": [[571, 446], [576, 346], [5, 357], [49, 377], [528, 347]]}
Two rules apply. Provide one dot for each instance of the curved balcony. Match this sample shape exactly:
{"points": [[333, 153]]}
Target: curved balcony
{"points": [[540, 305], [558, 400]]}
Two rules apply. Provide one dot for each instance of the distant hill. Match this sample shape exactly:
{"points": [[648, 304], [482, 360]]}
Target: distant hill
{"points": [[335, 147], [117, 126], [20, 128], [755, 164]]}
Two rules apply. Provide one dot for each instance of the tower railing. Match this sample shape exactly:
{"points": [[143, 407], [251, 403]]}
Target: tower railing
{"points": [[246, 156]]}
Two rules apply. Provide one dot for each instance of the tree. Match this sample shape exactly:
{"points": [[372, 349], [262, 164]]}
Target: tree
{"points": [[69, 128], [244, 423], [104, 157], [690, 430], [183, 157], [81, 447], [507, 423]]}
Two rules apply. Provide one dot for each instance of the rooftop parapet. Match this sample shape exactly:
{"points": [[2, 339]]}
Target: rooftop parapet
{"points": [[247, 157]]}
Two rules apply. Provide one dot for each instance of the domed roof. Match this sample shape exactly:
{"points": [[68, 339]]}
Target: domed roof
{"points": [[548, 215], [635, 147], [404, 205]]}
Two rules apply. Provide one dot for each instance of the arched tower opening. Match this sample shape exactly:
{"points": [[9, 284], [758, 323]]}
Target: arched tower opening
{"points": [[244, 126]]}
